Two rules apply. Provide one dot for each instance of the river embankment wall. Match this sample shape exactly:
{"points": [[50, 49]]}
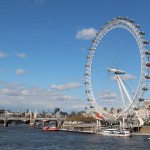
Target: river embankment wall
{"points": [[145, 130]]}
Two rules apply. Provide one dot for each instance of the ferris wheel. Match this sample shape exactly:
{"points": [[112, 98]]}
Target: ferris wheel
{"points": [[142, 87]]}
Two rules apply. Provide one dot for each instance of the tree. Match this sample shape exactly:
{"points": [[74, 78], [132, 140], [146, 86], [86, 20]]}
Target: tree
{"points": [[105, 108], [80, 118], [56, 110], [112, 108], [120, 109], [73, 113]]}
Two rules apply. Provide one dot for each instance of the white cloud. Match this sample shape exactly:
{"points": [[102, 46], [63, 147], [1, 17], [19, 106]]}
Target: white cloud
{"points": [[83, 49], [86, 34], [20, 71], [10, 85], [108, 96], [125, 77], [25, 92], [8, 92], [20, 91], [3, 54], [40, 2], [67, 86], [21, 55]]}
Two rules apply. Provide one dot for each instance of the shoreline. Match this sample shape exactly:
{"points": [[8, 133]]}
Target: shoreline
{"points": [[138, 133], [91, 132]]}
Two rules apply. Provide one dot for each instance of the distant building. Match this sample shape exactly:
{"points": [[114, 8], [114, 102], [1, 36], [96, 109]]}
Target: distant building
{"points": [[146, 104], [81, 113], [2, 111], [144, 113], [115, 111], [47, 115], [27, 114], [63, 113]]}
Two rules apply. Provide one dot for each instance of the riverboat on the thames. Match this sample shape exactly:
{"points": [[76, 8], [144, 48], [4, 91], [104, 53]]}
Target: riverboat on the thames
{"points": [[115, 132], [52, 128]]}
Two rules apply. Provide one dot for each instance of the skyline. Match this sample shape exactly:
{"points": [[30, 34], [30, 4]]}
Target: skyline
{"points": [[44, 45]]}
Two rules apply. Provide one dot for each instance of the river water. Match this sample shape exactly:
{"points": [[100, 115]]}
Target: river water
{"points": [[22, 137]]}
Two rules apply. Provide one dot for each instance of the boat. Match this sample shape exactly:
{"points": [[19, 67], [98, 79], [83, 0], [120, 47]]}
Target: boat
{"points": [[115, 132], [125, 132], [14, 123], [52, 128], [39, 125]]}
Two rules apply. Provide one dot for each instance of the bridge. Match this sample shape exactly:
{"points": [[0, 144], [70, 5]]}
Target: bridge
{"points": [[31, 119]]}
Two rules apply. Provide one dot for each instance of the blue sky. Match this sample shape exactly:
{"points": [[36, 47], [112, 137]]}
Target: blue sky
{"points": [[44, 44]]}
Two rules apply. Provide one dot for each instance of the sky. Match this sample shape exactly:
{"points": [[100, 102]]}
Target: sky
{"points": [[44, 45]]}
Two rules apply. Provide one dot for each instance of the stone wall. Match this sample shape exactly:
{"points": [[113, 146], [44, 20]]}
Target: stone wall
{"points": [[145, 129]]}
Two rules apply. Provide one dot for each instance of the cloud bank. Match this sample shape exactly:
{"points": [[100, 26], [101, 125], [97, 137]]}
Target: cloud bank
{"points": [[19, 96]]}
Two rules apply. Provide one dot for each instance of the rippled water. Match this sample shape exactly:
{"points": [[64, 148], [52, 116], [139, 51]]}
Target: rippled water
{"points": [[21, 137]]}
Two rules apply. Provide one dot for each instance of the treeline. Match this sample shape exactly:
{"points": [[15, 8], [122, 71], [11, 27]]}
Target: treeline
{"points": [[80, 118]]}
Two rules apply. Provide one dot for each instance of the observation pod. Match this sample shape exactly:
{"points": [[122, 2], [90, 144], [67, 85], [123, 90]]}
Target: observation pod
{"points": [[125, 18], [88, 57], [92, 49], [147, 76], [97, 33], [148, 64], [131, 21], [89, 99], [86, 74], [142, 33], [135, 108], [147, 52], [137, 26], [113, 19], [86, 83], [87, 65], [92, 107], [94, 41], [144, 88], [145, 42], [102, 27], [87, 91], [141, 99], [120, 18]]}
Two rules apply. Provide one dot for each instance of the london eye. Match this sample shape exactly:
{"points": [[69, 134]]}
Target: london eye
{"points": [[131, 100]]}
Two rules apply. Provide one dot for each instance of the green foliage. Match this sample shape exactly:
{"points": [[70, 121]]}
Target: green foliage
{"points": [[56, 110]]}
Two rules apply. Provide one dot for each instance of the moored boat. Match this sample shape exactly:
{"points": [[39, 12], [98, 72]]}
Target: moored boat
{"points": [[52, 128], [115, 132]]}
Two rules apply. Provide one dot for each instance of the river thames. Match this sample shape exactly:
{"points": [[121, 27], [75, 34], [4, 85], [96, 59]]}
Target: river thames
{"points": [[21, 137]]}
